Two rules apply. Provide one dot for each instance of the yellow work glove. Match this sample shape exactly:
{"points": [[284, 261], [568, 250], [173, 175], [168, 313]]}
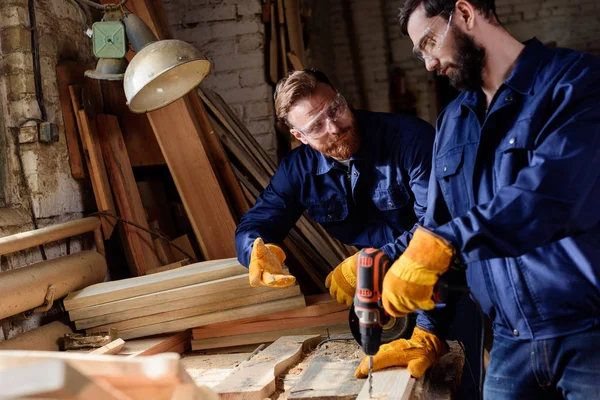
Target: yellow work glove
{"points": [[341, 282], [418, 353], [408, 285], [266, 266]]}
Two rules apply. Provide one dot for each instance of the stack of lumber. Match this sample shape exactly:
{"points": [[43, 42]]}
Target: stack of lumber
{"points": [[35, 374], [175, 300], [308, 243], [322, 315]]}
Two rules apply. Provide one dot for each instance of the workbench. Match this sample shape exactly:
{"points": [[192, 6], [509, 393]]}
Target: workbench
{"points": [[325, 371]]}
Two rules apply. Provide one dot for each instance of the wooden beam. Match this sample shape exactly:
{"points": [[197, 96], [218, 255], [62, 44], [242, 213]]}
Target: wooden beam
{"points": [[163, 344], [69, 73], [255, 380], [94, 161], [294, 28], [25, 240], [126, 288], [138, 244], [26, 288]]}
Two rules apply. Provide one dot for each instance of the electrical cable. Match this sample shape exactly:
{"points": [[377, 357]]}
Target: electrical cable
{"points": [[24, 179], [138, 226]]}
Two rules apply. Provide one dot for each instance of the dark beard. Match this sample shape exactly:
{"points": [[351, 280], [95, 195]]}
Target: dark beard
{"points": [[469, 59]]}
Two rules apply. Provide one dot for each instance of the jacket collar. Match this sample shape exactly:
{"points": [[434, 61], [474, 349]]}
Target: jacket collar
{"points": [[522, 79]]}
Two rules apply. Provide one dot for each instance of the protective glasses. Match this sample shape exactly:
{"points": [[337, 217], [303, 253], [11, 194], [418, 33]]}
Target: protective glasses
{"points": [[430, 42], [317, 126]]}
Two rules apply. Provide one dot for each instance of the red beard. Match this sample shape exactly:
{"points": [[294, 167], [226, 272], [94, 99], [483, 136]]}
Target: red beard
{"points": [[342, 149]]}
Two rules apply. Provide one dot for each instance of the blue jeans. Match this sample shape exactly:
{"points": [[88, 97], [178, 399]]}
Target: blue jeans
{"points": [[561, 368]]}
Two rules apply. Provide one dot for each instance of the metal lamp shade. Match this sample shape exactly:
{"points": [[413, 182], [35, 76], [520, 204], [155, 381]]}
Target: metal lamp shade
{"points": [[163, 72]]}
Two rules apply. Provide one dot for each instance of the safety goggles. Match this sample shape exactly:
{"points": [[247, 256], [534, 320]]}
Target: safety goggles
{"points": [[431, 42], [317, 126]]}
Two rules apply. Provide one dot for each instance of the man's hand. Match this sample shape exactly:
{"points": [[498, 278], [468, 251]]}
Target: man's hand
{"points": [[418, 353], [341, 282], [266, 266], [408, 285]]}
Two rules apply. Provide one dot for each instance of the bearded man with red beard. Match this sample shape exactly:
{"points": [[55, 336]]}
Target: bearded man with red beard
{"points": [[361, 175]]}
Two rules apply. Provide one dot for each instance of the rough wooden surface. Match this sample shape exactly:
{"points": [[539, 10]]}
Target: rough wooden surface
{"points": [[256, 378]]}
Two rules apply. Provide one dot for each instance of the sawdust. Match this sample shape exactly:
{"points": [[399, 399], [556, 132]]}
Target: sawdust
{"points": [[342, 351]]}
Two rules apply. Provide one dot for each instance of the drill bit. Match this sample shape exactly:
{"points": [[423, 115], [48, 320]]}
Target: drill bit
{"points": [[370, 377]]}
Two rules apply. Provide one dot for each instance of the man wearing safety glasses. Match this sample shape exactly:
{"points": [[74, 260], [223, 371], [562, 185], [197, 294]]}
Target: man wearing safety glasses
{"points": [[514, 196], [362, 175]]}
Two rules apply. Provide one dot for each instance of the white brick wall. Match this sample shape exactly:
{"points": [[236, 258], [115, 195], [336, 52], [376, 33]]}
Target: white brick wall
{"points": [[231, 35]]}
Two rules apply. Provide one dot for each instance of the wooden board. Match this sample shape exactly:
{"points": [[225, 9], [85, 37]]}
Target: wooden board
{"points": [[169, 267], [256, 377], [394, 383], [330, 374], [221, 316], [198, 294], [316, 305], [340, 317], [156, 344], [185, 244], [270, 336], [214, 306], [138, 244], [54, 379], [69, 73], [131, 287], [95, 162]]}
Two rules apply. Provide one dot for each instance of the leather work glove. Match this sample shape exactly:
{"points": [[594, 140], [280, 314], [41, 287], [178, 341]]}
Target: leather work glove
{"points": [[418, 353], [266, 266], [341, 282], [409, 283]]}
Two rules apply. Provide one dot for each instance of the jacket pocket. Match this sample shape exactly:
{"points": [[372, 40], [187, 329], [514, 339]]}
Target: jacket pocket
{"points": [[514, 153], [334, 209], [391, 199], [448, 168]]}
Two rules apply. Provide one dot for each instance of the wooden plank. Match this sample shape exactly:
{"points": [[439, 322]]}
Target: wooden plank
{"points": [[282, 42], [294, 28], [316, 305], [54, 379], [25, 240], [207, 209], [218, 159], [340, 317], [220, 316], [156, 345], [395, 383], [273, 70], [330, 374], [169, 267], [201, 293], [178, 313], [131, 287], [139, 244], [113, 347], [266, 337], [68, 73], [97, 169], [256, 377]]}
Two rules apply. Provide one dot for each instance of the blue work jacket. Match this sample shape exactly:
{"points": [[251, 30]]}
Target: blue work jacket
{"points": [[375, 203], [517, 192]]}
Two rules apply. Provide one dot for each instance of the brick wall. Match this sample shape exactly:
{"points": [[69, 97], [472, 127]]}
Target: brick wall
{"points": [[569, 23], [43, 187], [231, 35]]}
